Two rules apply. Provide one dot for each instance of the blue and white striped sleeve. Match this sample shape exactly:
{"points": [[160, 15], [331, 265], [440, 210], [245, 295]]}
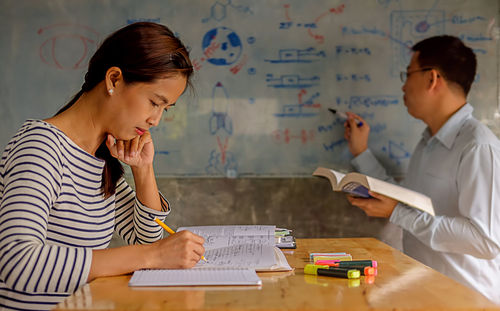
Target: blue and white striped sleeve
{"points": [[134, 221], [31, 183]]}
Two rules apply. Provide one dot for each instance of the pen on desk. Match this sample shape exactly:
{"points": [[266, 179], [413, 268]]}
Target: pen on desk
{"points": [[167, 228], [343, 115]]}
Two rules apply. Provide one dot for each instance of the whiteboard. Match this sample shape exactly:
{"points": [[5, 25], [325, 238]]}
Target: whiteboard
{"points": [[265, 73]]}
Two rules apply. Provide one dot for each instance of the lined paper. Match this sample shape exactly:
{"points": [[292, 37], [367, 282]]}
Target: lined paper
{"points": [[253, 256], [186, 277], [223, 236], [240, 246]]}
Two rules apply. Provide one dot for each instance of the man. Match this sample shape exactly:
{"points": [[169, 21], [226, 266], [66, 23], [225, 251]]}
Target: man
{"points": [[456, 164]]}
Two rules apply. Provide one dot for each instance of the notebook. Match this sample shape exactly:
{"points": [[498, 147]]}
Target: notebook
{"points": [[240, 246], [234, 253], [190, 277]]}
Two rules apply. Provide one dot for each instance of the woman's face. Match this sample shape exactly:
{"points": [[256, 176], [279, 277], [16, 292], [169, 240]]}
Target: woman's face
{"points": [[139, 106]]}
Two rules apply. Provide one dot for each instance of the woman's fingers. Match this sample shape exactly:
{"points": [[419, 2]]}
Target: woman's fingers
{"points": [[181, 250], [138, 151], [111, 144], [134, 146]]}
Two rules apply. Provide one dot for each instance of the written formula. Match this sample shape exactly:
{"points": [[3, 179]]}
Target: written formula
{"points": [[352, 50], [367, 101], [353, 77]]}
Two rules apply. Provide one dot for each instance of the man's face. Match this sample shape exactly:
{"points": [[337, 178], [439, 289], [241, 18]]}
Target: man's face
{"points": [[416, 97]]}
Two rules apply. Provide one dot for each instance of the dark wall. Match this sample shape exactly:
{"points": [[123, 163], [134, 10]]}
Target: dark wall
{"points": [[308, 206]]}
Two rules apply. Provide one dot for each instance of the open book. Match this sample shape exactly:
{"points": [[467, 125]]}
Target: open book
{"points": [[240, 246], [233, 255], [358, 184]]}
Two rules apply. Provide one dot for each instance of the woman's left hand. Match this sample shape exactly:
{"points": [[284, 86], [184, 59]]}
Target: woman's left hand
{"points": [[137, 152]]}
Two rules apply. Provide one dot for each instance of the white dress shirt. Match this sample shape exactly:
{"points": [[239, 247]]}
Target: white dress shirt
{"points": [[459, 169]]}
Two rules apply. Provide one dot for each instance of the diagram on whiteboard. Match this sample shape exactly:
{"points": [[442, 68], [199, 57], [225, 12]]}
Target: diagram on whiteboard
{"points": [[410, 27]]}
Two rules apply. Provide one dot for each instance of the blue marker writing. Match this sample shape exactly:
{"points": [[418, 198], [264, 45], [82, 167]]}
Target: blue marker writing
{"points": [[343, 115]]}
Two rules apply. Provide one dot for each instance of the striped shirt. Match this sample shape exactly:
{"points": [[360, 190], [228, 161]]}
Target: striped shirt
{"points": [[53, 214]]}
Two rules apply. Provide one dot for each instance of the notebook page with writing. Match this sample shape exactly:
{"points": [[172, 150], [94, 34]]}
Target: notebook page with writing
{"points": [[240, 256], [240, 246], [255, 256], [189, 277], [222, 236]]}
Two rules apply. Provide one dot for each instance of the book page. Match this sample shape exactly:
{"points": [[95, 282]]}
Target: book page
{"points": [[255, 256], [333, 176], [282, 264], [338, 175], [355, 184], [354, 177], [182, 277], [238, 246], [404, 195], [223, 236]]}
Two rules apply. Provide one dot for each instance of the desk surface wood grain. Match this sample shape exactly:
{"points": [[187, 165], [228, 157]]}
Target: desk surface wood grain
{"points": [[401, 284]]}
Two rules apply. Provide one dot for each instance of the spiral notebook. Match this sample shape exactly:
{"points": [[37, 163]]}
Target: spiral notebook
{"points": [[195, 277]]}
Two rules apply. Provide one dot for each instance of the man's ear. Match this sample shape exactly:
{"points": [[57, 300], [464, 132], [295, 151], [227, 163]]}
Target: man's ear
{"points": [[113, 77], [435, 79]]}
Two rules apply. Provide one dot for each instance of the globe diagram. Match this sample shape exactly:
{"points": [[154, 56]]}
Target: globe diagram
{"points": [[221, 46]]}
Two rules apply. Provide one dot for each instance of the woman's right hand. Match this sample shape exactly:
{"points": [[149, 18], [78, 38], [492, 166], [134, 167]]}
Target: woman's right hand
{"points": [[178, 251]]}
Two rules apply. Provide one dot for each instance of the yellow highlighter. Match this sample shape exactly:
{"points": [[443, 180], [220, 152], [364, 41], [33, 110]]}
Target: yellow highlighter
{"points": [[167, 228]]}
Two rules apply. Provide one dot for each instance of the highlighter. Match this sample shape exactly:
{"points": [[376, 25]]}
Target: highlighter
{"points": [[347, 263], [313, 255], [318, 270], [349, 274], [368, 271], [333, 258], [364, 263]]}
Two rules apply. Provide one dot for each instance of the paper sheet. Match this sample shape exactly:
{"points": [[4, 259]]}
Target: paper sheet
{"points": [[222, 236], [186, 277], [255, 256]]}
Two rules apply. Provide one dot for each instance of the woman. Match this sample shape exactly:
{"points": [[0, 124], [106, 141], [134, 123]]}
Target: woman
{"points": [[61, 185]]}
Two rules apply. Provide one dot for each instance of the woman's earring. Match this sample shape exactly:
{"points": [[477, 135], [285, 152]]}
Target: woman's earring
{"points": [[110, 91]]}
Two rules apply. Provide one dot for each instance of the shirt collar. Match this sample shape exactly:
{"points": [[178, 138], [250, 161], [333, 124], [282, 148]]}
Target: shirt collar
{"points": [[449, 131]]}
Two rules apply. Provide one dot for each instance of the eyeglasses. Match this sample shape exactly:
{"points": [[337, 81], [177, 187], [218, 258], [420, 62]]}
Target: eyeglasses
{"points": [[405, 74]]}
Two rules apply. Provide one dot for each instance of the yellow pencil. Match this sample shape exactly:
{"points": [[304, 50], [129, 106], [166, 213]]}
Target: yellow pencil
{"points": [[167, 228]]}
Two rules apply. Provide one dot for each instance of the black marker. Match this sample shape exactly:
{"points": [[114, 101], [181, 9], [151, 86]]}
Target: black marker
{"points": [[343, 115]]}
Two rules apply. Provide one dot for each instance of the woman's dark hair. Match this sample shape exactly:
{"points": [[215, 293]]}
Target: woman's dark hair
{"points": [[455, 61], [144, 52]]}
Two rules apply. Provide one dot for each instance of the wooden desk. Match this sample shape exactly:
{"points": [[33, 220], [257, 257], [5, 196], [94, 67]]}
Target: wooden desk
{"points": [[401, 284]]}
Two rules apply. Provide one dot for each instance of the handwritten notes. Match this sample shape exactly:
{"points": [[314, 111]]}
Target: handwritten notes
{"points": [[245, 246]]}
